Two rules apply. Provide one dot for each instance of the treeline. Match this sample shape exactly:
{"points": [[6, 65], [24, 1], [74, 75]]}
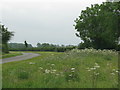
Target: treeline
{"points": [[40, 47]]}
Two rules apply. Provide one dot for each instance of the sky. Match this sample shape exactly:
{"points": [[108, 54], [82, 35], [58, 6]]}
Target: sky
{"points": [[43, 21]]}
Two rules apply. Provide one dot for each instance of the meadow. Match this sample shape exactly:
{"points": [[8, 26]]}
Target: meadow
{"points": [[88, 68], [11, 54]]}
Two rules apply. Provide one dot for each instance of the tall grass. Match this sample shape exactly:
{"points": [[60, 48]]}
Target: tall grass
{"points": [[88, 68]]}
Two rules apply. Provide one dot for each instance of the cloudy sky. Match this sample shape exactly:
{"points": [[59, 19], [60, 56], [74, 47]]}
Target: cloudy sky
{"points": [[43, 21]]}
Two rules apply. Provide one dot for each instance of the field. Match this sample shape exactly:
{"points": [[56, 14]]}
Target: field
{"points": [[87, 68], [11, 54]]}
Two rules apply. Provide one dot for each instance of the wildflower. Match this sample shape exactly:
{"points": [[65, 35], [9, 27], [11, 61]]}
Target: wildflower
{"points": [[113, 73], [54, 70], [97, 74], [52, 64], [47, 71], [31, 63], [97, 66], [70, 75], [93, 68], [116, 71], [40, 67], [72, 68], [89, 70]]}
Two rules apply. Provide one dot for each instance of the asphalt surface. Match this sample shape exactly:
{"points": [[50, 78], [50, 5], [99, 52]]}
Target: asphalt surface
{"points": [[25, 56]]}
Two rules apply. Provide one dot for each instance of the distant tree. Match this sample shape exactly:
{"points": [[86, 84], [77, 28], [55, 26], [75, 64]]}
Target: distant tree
{"points": [[99, 26], [5, 36], [26, 44], [38, 45]]}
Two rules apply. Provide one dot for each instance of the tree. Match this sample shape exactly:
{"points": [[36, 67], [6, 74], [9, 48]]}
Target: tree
{"points": [[98, 26], [5, 36], [26, 44]]}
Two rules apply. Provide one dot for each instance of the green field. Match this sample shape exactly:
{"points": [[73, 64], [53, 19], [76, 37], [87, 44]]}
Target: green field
{"points": [[11, 54], [87, 68]]}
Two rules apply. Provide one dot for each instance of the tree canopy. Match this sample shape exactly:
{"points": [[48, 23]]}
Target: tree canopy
{"points": [[99, 25], [5, 36]]}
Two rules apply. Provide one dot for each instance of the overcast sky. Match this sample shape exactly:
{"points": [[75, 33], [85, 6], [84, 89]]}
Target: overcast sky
{"points": [[43, 21]]}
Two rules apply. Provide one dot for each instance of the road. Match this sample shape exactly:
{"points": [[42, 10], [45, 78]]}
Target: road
{"points": [[25, 56]]}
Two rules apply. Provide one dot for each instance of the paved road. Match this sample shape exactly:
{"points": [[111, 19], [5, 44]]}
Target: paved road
{"points": [[19, 58]]}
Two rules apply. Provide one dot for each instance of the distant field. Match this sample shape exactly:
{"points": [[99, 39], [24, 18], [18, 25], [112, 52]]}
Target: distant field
{"points": [[87, 68]]}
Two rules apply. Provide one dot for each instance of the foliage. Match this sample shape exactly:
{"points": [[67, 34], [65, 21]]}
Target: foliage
{"points": [[5, 36], [98, 25], [73, 69], [40, 47], [18, 46]]}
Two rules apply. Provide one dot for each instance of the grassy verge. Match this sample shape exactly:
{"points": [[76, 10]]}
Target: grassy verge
{"points": [[11, 54], [87, 68]]}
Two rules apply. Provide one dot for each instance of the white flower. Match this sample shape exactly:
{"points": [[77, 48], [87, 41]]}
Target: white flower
{"points": [[70, 75], [89, 70], [52, 64], [40, 67], [92, 68], [97, 66], [116, 71], [47, 71], [31, 63], [54, 70], [72, 68], [113, 73], [97, 74]]}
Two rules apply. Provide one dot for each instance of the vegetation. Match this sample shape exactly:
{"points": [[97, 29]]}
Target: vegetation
{"points": [[5, 36], [86, 68], [11, 54], [40, 47], [98, 26]]}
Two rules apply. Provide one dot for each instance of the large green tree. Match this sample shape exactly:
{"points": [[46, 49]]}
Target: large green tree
{"points": [[99, 25], [5, 36]]}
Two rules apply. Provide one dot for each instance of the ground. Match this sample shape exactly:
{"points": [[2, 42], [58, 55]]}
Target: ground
{"points": [[87, 68]]}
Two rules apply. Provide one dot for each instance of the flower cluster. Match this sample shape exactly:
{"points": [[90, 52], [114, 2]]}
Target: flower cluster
{"points": [[114, 71], [94, 51], [93, 68], [50, 71], [31, 63]]}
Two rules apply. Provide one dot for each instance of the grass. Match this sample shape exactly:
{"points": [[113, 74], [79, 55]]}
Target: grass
{"points": [[87, 68], [11, 54]]}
